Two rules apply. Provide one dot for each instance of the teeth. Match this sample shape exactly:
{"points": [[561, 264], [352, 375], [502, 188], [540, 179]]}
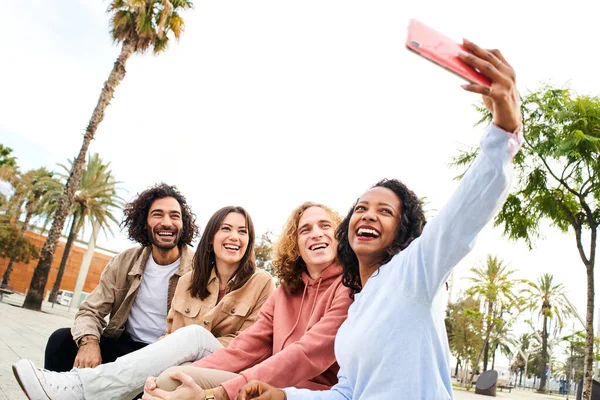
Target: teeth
{"points": [[229, 247], [318, 246], [165, 233], [368, 232]]}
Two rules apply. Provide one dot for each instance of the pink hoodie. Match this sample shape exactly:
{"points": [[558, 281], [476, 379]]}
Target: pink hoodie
{"points": [[291, 343]]}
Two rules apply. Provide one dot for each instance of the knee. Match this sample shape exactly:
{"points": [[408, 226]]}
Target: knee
{"points": [[165, 382], [59, 337], [194, 331]]}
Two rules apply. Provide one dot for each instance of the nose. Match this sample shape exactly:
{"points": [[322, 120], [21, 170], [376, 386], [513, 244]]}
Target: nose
{"points": [[166, 221], [317, 232], [234, 235], [369, 216]]}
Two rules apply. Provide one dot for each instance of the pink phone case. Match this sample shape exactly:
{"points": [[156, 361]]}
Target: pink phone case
{"points": [[441, 50]]}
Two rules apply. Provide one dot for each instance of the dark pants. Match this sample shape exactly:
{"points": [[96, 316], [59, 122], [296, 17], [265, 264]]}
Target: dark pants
{"points": [[61, 349]]}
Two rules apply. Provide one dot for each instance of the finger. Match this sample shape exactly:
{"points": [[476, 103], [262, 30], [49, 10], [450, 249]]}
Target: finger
{"points": [[483, 66], [475, 88], [150, 383], [148, 396], [183, 378], [504, 65], [161, 394]]}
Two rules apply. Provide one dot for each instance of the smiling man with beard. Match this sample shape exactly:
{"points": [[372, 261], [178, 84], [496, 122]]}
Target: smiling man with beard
{"points": [[136, 287]]}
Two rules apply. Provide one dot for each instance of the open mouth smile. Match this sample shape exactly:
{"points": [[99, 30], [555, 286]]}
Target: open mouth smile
{"points": [[231, 247], [318, 246], [367, 232]]}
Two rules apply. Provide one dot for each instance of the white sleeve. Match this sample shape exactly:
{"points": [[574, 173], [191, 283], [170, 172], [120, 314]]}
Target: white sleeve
{"points": [[341, 391], [451, 233]]}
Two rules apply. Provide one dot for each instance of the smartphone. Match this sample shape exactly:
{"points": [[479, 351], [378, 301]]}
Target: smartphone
{"points": [[441, 50]]}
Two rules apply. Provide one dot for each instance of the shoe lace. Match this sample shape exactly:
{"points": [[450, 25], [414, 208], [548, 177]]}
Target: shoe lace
{"points": [[60, 380]]}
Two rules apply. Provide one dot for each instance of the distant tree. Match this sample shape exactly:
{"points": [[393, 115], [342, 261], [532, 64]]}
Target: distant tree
{"points": [[6, 158], [138, 26], [31, 188], [492, 283], [547, 296], [95, 200], [464, 325], [262, 250], [13, 245], [558, 181]]}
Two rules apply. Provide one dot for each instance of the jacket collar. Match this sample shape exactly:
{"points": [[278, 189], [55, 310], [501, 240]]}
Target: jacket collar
{"points": [[329, 273], [140, 264]]}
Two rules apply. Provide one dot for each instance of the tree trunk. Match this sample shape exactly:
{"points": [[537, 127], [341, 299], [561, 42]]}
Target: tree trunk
{"points": [[63, 261], [487, 339], [9, 267], [543, 379], [486, 349], [35, 294], [456, 368], [589, 333], [494, 357]]}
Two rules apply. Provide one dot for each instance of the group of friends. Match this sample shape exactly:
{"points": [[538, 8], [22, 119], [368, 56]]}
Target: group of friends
{"points": [[357, 313]]}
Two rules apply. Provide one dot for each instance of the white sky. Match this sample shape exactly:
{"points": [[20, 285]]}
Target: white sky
{"points": [[269, 103]]}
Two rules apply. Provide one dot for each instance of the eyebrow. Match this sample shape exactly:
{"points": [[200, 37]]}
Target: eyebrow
{"points": [[318, 222], [162, 211], [379, 204], [231, 226]]}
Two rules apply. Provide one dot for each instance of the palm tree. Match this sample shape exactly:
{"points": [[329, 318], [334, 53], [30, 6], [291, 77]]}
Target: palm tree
{"points": [[96, 200], [493, 284], [137, 25], [549, 297], [34, 185]]}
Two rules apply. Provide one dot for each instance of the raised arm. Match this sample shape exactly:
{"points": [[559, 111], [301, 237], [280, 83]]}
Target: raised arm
{"points": [[484, 188]]}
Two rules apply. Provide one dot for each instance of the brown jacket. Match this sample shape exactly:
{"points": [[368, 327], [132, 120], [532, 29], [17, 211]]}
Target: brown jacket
{"points": [[235, 312], [116, 292]]}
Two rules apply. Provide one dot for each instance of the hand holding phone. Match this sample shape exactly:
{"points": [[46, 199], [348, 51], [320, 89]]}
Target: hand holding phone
{"points": [[441, 50]]}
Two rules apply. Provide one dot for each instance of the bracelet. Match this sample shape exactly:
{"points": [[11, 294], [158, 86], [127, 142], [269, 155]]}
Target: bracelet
{"points": [[89, 340]]}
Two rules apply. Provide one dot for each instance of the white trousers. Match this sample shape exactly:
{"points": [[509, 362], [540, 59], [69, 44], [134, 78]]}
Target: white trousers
{"points": [[125, 378]]}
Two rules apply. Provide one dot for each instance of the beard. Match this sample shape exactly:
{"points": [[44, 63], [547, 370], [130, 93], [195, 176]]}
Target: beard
{"points": [[154, 239]]}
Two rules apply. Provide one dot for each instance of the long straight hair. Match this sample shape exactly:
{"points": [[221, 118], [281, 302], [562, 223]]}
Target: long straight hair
{"points": [[204, 260]]}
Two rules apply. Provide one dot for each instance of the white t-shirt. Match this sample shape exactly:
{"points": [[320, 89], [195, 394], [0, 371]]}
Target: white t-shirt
{"points": [[148, 316]]}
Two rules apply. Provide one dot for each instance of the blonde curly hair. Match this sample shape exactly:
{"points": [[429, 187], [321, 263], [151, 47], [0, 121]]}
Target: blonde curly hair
{"points": [[287, 263]]}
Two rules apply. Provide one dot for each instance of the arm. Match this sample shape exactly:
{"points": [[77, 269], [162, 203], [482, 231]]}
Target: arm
{"points": [[251, 346], [262, 391], [451, 234], [89, 320], [267, 290], [305, 359]]}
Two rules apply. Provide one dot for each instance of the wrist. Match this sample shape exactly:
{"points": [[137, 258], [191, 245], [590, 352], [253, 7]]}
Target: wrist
{"points": [[87, 339], [219, 393]]}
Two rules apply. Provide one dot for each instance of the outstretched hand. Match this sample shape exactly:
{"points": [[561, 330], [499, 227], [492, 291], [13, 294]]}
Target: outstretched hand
{"points": [[501, 98], [188, 390], [260, 391]]}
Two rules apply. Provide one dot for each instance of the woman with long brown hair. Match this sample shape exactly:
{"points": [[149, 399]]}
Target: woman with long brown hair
{"points": [[219, 298]]}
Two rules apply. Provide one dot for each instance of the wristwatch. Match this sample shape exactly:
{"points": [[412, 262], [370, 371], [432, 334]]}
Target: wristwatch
{"points": [[209, 394]]}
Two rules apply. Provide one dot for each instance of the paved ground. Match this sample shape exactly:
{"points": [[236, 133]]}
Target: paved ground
{"points": [[23, 334]]}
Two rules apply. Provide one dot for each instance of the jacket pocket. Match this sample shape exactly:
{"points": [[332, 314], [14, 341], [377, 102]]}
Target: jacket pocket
{"points": [[236, 309], [189, 308]]}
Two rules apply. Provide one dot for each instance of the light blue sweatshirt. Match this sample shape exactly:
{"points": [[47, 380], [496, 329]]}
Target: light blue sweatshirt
{"points": [[393, 344]]}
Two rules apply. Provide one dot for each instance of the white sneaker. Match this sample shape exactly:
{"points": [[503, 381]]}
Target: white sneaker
{"points": [[41, 384]]}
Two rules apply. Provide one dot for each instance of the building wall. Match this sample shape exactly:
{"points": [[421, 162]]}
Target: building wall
{"points": [[20, 278]]}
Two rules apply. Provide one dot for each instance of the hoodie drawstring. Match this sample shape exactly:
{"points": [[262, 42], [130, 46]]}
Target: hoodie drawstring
{"points": [[297, 319]]}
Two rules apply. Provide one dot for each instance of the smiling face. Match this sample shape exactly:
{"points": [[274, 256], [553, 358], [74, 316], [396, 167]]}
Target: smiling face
{"points": [[316, 240], [373, 225], [164, 223], [230, 242]]}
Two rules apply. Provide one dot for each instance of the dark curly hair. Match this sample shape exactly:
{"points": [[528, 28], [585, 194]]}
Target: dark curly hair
{"points": [[204, 259], [135, 214], [412, 221]]}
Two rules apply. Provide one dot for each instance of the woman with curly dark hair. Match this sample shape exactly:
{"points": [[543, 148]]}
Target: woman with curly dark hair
{"points": [[219, 298], [292, 341], [393, 344]]}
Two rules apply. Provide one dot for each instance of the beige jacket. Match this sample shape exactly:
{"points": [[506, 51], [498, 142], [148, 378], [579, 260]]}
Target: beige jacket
{"points": [[236, 311], [116, 292]]}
